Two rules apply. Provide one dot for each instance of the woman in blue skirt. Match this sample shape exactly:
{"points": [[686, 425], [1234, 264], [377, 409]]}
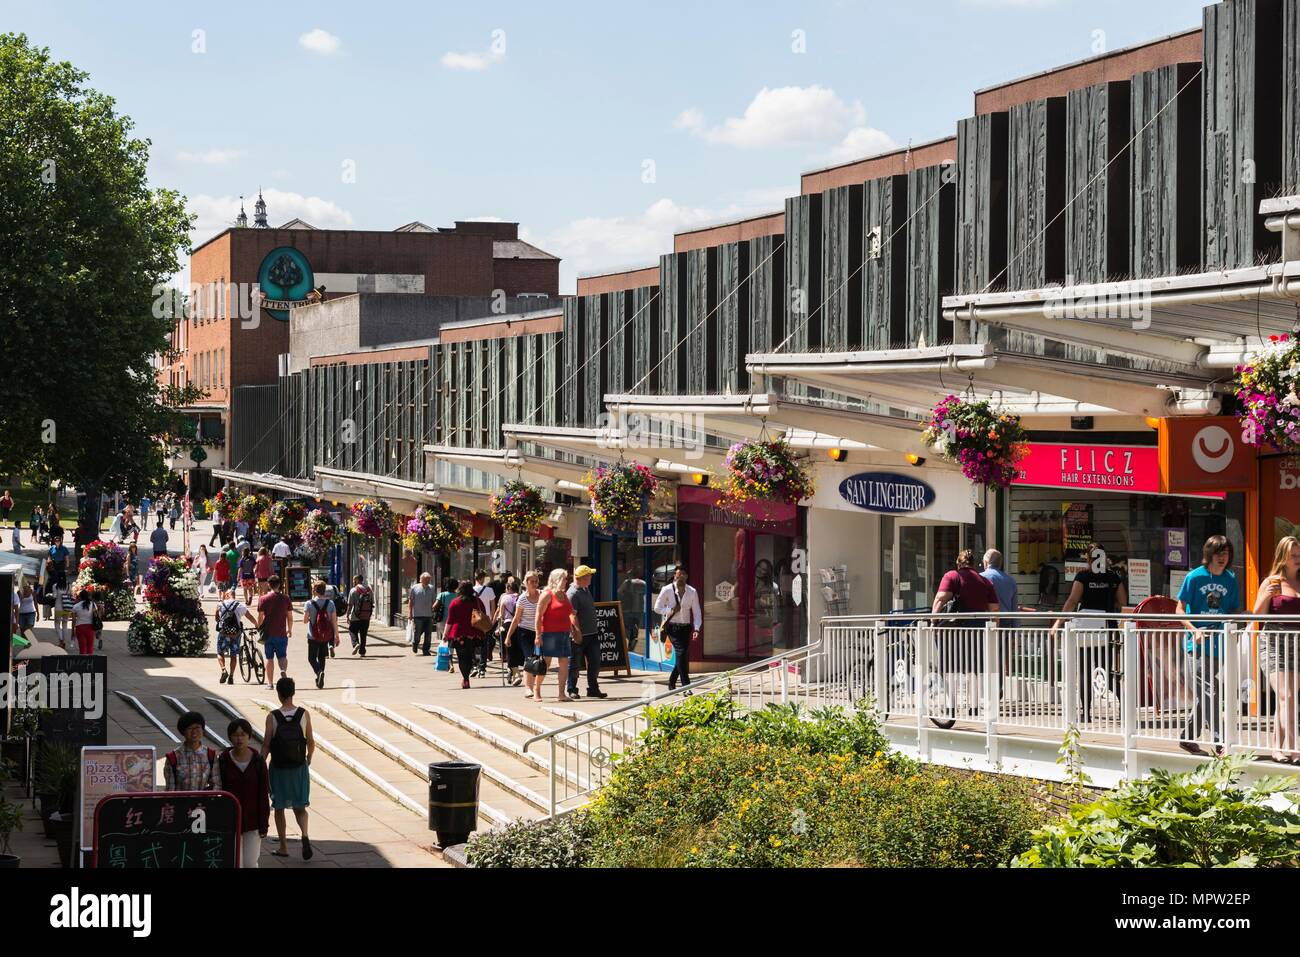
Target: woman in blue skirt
{"points": [[290, 744]]}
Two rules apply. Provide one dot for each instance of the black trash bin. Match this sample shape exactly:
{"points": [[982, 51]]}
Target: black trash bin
{"points": [[453, 800]]}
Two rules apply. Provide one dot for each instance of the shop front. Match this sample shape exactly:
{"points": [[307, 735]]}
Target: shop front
{"points": [[1068, 496]]}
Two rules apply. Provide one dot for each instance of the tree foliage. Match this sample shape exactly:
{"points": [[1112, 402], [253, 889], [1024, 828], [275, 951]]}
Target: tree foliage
{"points": [[84, 241]]}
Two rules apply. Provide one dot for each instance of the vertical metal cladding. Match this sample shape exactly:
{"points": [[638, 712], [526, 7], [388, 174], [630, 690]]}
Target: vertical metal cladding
{"points": [[1165, 172], [1097, 183], [982, 202], [884, 263], [1036, 194], [803, 224], [931, 197], [732, 314], [838, 265], [1242, 123], [1291, 97], [672, 295]]}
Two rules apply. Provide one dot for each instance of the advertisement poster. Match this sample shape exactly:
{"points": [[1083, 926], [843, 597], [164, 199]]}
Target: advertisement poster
{"points": [[111, 770], [1073, 568], [1139, 579], [1176, 577], [1077, 521], [1176, 548]]}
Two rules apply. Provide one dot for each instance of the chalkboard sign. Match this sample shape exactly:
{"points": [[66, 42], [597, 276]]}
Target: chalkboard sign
{"points": [[299, 584], [612, 637], [76, 696], [167, 829]]}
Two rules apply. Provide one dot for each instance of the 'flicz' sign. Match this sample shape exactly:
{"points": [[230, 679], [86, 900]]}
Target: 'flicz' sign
{"points": [[886, 492]]}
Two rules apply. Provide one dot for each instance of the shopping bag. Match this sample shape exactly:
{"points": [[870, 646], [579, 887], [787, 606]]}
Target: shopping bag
{"points": [[444, 657], [410, 632]]}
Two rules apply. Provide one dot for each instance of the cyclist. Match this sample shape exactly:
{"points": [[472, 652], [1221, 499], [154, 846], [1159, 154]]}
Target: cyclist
{"points": [[230, 615]]}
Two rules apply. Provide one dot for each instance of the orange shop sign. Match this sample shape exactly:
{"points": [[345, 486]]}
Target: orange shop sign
{"points": [[1205, 454]]}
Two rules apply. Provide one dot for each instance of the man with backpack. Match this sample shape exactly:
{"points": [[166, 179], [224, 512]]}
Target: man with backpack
{"points": [[191, 767], [361, 605], [322, 630], [290, 743], [229, 616]]}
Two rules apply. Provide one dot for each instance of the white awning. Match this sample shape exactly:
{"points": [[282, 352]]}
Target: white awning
{"points": [[1029, 386], [347, 487], [610, 445], [269, 480], [804, 425], [554, 474]]}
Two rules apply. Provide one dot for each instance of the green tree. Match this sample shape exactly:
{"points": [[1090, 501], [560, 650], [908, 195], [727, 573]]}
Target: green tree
{"points": [[85, 246]]}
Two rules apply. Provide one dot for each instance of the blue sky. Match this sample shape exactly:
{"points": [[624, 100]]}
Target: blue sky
{"points": [[547, 113]]}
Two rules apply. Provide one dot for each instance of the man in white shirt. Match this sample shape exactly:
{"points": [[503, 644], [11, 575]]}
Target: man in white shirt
{"points": [[281, 549], [678, 607]]}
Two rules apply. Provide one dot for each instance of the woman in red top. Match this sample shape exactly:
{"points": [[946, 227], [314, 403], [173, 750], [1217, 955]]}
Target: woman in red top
{"points": [[461, 632], [244, 774], [221, 572], [556, 621]]}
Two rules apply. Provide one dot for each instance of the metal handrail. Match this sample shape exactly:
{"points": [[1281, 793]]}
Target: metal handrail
{"points": [[940, 617], [718, 678]]}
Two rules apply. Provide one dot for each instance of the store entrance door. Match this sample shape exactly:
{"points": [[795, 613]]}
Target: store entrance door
{"points": [[922, 553]]}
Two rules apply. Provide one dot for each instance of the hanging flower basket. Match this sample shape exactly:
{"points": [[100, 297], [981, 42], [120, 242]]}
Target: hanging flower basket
{"points": [[372, 516], [250, 508], [319, 531], [518, 507], [435, 530], [1268, 393], [283, 518], [216, 503], [764, 470], [986, 445], [620, 494]]}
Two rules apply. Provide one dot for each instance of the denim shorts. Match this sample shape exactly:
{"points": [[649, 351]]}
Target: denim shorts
{"points": [[277, 646], [228, 645], [557, 644]]}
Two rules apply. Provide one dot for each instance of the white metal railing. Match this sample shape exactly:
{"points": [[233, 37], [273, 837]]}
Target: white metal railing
{"points": [[1128, 681], [581, 754]]}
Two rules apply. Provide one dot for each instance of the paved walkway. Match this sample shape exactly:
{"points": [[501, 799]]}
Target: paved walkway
{"points": [[380, 820]]}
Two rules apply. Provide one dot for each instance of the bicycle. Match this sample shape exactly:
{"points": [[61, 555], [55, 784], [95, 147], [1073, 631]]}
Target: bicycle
{"points": [[859, 675], [251, 659]]}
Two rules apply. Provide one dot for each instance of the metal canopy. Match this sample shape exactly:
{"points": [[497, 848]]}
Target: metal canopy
{"points": [[354, 485], [804, 425], [554, 474], [1026, 385], [610, 445], [269, 480], [1156, 317]]}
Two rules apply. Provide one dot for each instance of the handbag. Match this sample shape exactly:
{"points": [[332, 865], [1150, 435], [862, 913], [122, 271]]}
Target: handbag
{"points": [[661, 632], [479, 621], [535, 665], [953, 605]]}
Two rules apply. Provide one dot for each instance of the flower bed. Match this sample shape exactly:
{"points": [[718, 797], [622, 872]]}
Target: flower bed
{"points": [[173, 624], [518, 507], [1267, 393], [372, 517], [764, 470], [319, 531], [619, 494], [710, 788], [102, 571], [986, 445], [434, 529]]}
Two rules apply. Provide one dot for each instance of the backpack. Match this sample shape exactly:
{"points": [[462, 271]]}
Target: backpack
{"points": [[318, 622], [438, 611], [365, 605], [174, 765], [228, 619], [289, 746]]}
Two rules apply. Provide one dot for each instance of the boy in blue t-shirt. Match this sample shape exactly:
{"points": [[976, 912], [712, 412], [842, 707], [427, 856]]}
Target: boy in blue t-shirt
{"points": [[1210, 589]]}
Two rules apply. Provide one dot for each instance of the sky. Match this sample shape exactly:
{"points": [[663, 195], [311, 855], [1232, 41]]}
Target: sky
{"points": [[602, 128]]}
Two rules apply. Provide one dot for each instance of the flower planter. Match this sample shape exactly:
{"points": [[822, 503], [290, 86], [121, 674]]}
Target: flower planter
{"points": [[63, 838], [48, 803]]}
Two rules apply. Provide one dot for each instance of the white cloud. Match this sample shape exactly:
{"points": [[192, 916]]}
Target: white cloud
{"points": [[787, 115], [861, 142], [470, 61], [319, 41], [691, 119], [608, 243], [212, 157], [215, 213]]}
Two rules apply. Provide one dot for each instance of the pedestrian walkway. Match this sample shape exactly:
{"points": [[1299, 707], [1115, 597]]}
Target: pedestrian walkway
{"points": [[380, 721]]}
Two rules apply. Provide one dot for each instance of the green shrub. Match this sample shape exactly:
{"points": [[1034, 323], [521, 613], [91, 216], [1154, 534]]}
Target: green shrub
{"points": [[1200, 818], [562, 842], [707, 798]]}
